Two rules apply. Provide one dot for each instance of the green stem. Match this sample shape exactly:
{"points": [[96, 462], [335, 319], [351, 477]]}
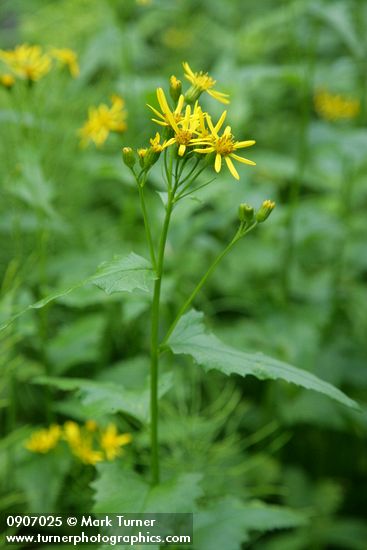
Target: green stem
{"points": [[154, 365], [240, 233], [146, 225]]}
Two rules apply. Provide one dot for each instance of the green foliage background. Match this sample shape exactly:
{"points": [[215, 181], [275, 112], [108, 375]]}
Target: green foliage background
{"points": [[270, 458]]}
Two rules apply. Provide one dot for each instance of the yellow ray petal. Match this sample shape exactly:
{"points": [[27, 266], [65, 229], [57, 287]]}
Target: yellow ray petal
{"points": [[162, 100], [247, 143], [211, 127], [218, 162], [231, 168], [208, 150], [220, 121], [181, 150], [219, 96], [243, 160]]}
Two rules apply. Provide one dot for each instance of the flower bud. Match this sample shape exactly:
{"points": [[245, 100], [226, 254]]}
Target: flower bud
{"points": [[128, 156], [151, 156], [264, 211], [7, 80], [245, 213], [141, 154], [175, 87], [192, 94]]}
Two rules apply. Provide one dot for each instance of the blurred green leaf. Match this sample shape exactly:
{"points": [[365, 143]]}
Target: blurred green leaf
{"points": [[119, 275], [119, 489], [104, 398]]}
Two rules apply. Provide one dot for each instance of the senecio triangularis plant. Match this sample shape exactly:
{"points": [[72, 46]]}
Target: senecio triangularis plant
{"points": [[190, 142]]}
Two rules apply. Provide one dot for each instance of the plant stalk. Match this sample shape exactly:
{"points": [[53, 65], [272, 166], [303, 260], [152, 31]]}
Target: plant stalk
{"points": [[240, 233], [154, 365]]}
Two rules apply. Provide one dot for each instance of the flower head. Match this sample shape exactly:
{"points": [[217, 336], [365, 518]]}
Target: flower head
{"points": [[112, 441], [67, 57], [224, 146], [185, 129], [201, 82], [42, 441], [28, 62], [166, 115], [102, 120], [335, 106]]}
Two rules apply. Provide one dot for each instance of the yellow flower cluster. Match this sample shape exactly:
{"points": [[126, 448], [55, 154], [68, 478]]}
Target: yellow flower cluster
{"points": [[81, 440], [191, 130], [335, 106], [102, 120], [31, 63]]}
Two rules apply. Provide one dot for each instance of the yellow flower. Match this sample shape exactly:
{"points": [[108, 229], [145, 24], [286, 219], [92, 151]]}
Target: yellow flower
{"points": [[166, 115], [156, 144], [7, 80], [201, 82], [42, 441], [111, 441], [27, 62], [67, 57], [102, 120], [223, 146], [185, 130], [334, 106]]}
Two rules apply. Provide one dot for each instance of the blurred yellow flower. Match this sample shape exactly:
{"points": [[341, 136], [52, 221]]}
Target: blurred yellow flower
{"points": [[177, 38], [224, 146], [42, 441], [72, 433], [7, 80], [143, 2], [335, 106], [81, 440], [26, 61], [91, 425], [201, 82], [85, 452], [80, 443], [102, 120], [112, 441], [67, 57]]}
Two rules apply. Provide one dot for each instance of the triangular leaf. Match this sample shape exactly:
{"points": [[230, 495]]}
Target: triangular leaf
{"points": [[191, 338], [119, 275]]}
